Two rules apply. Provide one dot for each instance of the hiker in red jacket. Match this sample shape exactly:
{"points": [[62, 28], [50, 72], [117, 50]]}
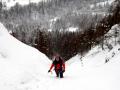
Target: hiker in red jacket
{"points": [[59, 66]]}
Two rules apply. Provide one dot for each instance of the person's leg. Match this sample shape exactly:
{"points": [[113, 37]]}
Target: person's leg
{"points": [[57, 73], [61, 74]]}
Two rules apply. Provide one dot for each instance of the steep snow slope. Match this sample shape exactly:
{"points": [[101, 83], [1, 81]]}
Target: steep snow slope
{"points": [[19, 63], [97, 56]]}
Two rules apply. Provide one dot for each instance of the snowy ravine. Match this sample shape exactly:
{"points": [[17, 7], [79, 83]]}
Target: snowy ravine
{"points": [[25, 68]]}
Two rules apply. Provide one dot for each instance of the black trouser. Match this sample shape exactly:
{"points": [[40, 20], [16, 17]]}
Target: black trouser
{"points": [[59, 73]]}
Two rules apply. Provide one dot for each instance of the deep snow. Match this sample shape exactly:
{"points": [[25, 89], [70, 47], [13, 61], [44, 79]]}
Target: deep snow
{"points": [[25, 68]]}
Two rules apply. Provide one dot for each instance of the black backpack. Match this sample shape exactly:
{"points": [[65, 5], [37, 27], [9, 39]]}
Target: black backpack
{"points": [[58, 64]]}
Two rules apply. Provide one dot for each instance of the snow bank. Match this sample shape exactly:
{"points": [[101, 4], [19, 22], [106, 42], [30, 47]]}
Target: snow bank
{"points": [[97, 57], [19, 63]]}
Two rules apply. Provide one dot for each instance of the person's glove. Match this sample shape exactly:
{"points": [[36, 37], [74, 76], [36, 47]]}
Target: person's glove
{"points": [[48, 71]]}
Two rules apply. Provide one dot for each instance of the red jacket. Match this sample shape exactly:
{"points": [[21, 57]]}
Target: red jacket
{"points": [[59, 65]]}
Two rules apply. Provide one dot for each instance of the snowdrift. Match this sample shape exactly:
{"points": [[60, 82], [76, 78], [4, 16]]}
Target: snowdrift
{"points": [[19, 63]]}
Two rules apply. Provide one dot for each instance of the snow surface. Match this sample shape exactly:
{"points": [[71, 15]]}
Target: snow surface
{"points": [[53, 21], [25, 68], [19, 63], [105, 3], [11, 3], [72, 29], [109, 2]]}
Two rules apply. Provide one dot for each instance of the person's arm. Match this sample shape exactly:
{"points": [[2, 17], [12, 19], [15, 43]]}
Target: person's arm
{"points": [[63, 61], [51, 67], [64, 66]]}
